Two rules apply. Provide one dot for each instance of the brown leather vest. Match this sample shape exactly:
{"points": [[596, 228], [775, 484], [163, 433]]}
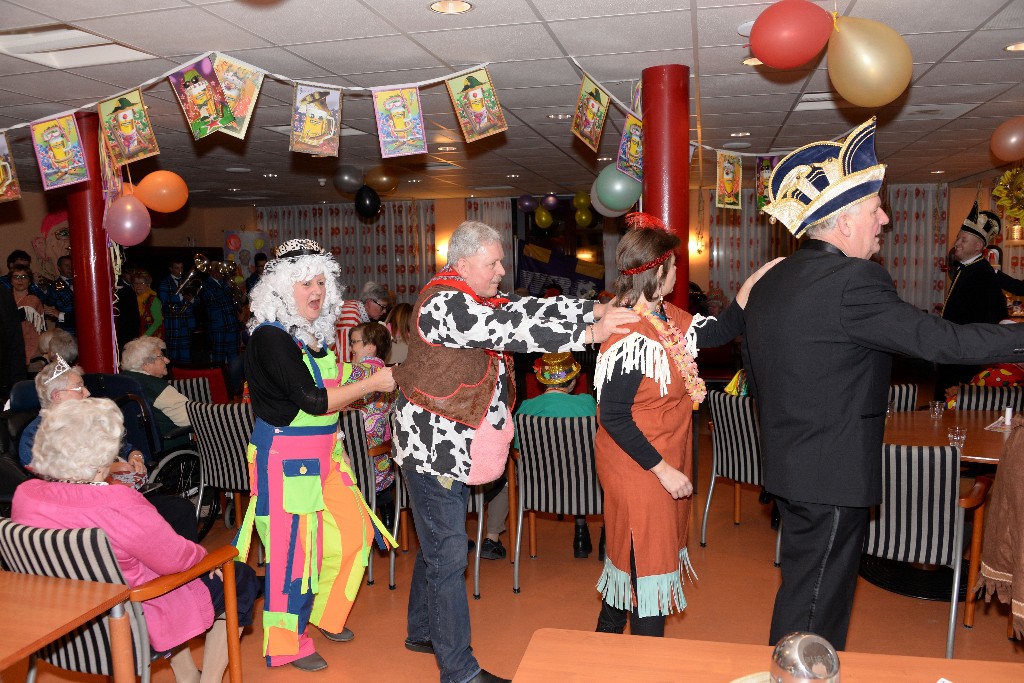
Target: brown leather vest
{"points": [[456, 384]]}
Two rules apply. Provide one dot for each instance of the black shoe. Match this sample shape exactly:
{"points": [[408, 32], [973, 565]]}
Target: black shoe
{"points": [[386, 515], [492, 550], [342, 636], [600, 547], [581, 545], [313, 662], [424, 646], [472, 545], [488, 677]]}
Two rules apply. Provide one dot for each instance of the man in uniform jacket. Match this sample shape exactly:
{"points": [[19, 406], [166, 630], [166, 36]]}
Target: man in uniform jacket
{"points": [[820, 328]]}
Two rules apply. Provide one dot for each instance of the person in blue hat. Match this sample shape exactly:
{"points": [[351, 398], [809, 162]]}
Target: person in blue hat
{"points": [[820, 330]]}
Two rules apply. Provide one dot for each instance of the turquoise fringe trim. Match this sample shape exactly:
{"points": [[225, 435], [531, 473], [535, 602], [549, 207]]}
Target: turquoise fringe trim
{"points": [[614, 586], [659, 594]]}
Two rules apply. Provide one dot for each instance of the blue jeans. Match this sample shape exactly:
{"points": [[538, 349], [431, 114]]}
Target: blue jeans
{"points": [[438, 608]]}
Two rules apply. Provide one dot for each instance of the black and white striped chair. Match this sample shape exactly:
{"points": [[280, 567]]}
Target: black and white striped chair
{"points": [[222, 432], [86, 555], [194, 389], [556, 473], [921, 518], [903, 397], [970, 397]]}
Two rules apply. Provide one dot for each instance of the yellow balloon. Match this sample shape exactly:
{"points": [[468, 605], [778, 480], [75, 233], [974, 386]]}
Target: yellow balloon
{"points": [[258, 243], [542, 217], [382, 180], [869, 63]]}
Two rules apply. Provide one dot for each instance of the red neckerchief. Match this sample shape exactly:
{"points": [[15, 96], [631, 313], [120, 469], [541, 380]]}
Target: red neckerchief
{"points": [[449, 277]]}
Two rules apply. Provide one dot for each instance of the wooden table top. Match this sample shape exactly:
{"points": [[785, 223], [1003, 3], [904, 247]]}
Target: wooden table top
{"points": [[40, 609], [917, 428], [561, 655]]}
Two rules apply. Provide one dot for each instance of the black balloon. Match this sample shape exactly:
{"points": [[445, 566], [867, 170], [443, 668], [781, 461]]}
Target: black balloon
{"points": [[367, 202]]}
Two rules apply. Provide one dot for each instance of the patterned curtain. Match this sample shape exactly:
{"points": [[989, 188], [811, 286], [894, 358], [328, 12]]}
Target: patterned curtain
{"points": [[740, 242], [497, 213], [914, 249], [396, 249]]}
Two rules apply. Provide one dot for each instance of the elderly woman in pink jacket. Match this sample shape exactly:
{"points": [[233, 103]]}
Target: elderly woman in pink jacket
{"points": [[72, 454]]}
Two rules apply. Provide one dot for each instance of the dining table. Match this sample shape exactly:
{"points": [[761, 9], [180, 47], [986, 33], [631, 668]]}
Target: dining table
{"points": [[919, 428]]}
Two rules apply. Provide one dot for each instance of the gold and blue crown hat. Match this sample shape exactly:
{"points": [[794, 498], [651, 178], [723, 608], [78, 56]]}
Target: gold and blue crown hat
{"points": [[821, 179]]}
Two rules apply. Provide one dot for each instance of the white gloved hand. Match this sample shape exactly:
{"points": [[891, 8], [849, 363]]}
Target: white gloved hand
{"points": [[34, 317]]}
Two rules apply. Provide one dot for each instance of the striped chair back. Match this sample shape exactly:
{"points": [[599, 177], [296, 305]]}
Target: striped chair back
{"points": [[556, 471], [354, 429], [194, 389], [971, 397], [903, 397], [735, 446], [222, 436], [85, 555], [920, 518]]}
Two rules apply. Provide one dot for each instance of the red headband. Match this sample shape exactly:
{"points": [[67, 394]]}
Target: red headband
{"points": [[645, 221]]}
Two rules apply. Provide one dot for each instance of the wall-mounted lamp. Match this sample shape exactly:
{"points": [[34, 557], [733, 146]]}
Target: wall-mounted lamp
{"points": [[696, 244]]}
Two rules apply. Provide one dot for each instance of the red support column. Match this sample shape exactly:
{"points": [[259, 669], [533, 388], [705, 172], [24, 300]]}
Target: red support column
{"points": [[94, 306], [666, 112]]}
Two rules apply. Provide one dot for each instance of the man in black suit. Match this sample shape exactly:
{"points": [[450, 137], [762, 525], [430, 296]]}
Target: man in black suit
{"points": [[820, 328]]}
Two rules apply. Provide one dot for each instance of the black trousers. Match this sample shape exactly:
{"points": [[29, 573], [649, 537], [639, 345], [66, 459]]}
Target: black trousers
{"points": [[613, 620], [820, 554]]}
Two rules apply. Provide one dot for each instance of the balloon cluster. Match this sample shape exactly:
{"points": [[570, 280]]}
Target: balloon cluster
{"points": [[367, 189], [127, 220], [869, 63]]}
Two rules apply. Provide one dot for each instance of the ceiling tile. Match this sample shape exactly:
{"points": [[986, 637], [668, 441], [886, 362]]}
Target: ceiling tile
{"points": [[173, 32], [472, 46], [939, 16], [366, 55], [285, 23], [660, 31]]}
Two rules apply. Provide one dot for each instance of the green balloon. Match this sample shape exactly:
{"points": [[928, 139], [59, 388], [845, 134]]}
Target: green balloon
{"points": [[584, 217], [616, 190], [581, 200]]}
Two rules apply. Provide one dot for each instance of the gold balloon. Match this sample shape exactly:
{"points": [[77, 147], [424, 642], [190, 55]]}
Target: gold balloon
{"points": [[381, 180], [869, 63], [542, 217]]}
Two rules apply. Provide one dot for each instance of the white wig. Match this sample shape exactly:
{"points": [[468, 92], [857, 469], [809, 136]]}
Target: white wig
{"points": [[272, 299]]}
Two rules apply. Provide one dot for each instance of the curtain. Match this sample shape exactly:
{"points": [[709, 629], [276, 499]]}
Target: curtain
{"points": [[740, 242], [914, 248], [395, 249], [497, 213]]}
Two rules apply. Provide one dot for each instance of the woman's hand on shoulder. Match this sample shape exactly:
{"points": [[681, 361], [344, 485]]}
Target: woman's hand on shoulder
{"points": [[613, 321], [381, 380], [675, 482], [741, 296]]}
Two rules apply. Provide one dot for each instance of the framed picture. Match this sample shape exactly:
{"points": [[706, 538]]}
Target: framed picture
{"points": [[476, 105], [126, 128], [59, 152]]}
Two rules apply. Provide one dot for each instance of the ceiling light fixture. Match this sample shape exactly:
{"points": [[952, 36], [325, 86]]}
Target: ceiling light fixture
{"points": [[745, 28], [450, 7], [414, 180], [61, 46], [559, 117], [269, 175], [234, 189], [237, 169], [937, 172], [446, 149], [741, 134], [752, 61], [604, 158], [1016, 47], [512, 175]]}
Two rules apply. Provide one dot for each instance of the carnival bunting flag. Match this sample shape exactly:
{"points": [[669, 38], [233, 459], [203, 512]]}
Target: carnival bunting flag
{"points": [[476, 105], [9, 188], [241, 84], [591, 113], [316, 118], [126, 128], [631, 149], [59, 152], [730, 176], [399, 122], [637, 98], [763, 172], [201, 97]]}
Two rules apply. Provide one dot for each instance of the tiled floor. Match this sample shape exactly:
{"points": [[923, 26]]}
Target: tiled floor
{"points": [[731, 602]]}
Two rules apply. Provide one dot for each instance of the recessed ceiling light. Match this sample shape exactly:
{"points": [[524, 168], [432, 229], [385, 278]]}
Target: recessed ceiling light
{"points": [[512, 175], [559, 117], [414, 180], [752, 61], [745, 28], [451, 7], [937, 172], [234, 189], [736, 145], [604, 158], [237, 169], [740, 134], [269, 175], [1016, 47], [446, 149]]}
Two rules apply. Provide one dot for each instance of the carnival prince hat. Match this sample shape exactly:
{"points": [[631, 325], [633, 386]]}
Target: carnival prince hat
{"points": [[555, 368], [982, 224], [821, 179]]}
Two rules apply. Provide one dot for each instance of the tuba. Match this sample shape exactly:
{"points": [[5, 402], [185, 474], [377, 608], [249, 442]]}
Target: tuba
{"points": [[201, 264]]}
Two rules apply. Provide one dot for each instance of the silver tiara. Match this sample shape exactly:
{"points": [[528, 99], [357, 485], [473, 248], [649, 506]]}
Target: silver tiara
{"points": [[62, 367]]}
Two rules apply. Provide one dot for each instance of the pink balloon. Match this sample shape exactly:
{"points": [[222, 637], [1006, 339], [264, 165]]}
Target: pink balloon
{"points": [[1008, 140], [790, 33], [127, 221]]}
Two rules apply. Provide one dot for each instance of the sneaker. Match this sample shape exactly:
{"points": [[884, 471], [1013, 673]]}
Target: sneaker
{"points": [[313, 662], [492, 550]]}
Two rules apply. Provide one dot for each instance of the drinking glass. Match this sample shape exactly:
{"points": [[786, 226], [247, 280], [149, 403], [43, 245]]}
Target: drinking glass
{"points": [[936, 407], [957, 436]]}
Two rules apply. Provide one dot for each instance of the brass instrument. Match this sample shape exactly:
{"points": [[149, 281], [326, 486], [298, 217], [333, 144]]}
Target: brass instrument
{"points": [[201, 265]]}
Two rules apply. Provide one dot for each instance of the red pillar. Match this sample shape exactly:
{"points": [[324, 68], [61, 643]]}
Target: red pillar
{"points": [[94, 307], [666, 112]]}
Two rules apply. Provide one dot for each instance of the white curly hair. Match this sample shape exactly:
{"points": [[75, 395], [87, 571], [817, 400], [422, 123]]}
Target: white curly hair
{"points": [[271, 300]]}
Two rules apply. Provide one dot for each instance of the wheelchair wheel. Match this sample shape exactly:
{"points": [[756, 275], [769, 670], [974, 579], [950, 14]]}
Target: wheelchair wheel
{"points": [[178, 475]]}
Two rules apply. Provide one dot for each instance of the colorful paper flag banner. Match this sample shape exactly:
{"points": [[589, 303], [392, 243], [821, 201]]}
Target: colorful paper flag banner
{"points": [[763, 167], [241, 84], [127, 131], [476, 105], [201, 97], [10, 190], [316, 120], [59, 152], [591, 114], [399, 122], [631, 149], [730, 177]]}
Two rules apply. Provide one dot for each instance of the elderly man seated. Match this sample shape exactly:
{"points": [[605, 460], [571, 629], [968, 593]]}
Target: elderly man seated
{"points": [[143, 360]]}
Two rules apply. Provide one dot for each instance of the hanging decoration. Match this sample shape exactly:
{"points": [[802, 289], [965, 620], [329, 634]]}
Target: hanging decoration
{"points": [[476, 105], [367, 202], [550, 201], [399, 122], [162, 191], [382, 180], [10, 190], [542, 218], [637, 98], [763, 167], [241, 84], [316, 112], [790, 33], [591, 114], [59, 152], [348, 179], [526, 203], [1009, 193], [1008, 140], [126, 128], [201, 97], [127, 221], [631, 149], [615, 190], [869, 63], [730, 180]]}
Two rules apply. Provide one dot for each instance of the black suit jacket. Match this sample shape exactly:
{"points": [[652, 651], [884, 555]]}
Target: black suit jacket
{"points": [[975, 295], [820, 328]]}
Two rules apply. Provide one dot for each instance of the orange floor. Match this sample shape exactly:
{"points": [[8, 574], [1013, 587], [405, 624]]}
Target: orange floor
{"points": [[731, 602]]}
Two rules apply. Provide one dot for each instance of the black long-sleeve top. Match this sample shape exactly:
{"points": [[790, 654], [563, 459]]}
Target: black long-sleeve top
{"points": [[280, 384]]}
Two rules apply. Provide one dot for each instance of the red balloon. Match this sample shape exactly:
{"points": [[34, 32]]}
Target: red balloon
{"points": [[1008, 140], [790, 33], [127, 221], [162, 191]]}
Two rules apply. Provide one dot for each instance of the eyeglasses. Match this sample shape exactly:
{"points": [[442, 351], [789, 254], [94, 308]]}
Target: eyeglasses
{"points": [[78, 388], [354, 341], [383, 306], [19, 277]]}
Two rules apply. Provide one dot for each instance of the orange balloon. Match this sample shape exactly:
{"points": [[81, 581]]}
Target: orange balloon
{"points": [[162, 191]]}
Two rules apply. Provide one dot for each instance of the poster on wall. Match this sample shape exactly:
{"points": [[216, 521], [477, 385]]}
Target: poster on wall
{"points": [[539, 269], [241, 84], [201, 97], [316, 116], [631, 149], [59, 152], [591, 113], [241, 247], [476, 105], [126, 128], [399, 122], [730, 177], [10, 190], [763, 167]]}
